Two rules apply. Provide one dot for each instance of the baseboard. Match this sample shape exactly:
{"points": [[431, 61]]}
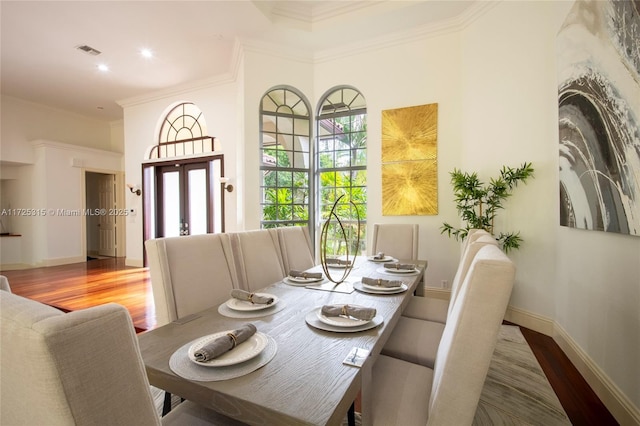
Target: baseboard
{"points": [[138, 263], [530, 320], [624, 411], [62, 261], [618, 404], [438, 293], [14, 266]]}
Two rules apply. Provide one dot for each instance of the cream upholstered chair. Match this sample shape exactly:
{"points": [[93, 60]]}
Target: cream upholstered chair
{"points": [[80, 368], [295, 246], [4, 284], [258, 258], [397, 240], [405, 393], [417, 339], [190, 274], [431, 309]]}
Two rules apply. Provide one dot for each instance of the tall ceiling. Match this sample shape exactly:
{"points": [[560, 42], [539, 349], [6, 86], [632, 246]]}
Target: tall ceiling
{"points": [[190, 41]]}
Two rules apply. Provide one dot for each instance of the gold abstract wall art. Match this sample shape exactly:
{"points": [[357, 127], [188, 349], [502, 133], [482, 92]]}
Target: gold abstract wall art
{"points": [[409, 161]]}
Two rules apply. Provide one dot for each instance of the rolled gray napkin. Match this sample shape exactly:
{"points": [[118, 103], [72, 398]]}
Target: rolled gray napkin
{"points": [[224, 344], [396, 266], [332, 261], [301, 274], [380, 282], [251, 297], [379, 256], [359, 312]]}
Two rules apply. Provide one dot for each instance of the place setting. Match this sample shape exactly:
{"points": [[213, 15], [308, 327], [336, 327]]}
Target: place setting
{"points": [[344, 318], [380, 257], [339, 263], [244, 304], [380, 286], [303, 278], [398, 268], [224, 355]]}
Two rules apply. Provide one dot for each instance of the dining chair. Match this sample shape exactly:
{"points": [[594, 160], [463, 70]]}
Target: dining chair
{"points": [[295, 247], [78, 368], [406, 393], [397, 240], [258, 258], [190, 273], [4, 284], [416, 339], [432, 309]]}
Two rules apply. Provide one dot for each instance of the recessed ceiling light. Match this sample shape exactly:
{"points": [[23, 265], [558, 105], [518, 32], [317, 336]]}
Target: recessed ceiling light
{"points": [[103, 67], [146, 53]]}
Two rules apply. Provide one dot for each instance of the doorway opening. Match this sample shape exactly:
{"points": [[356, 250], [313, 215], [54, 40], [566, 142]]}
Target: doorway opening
{"points": [[101, 227]]}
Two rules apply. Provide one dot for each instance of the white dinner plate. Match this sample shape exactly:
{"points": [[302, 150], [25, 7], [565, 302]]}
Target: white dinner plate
{"points": [[241, 353], [313, 320], [381, 288], [304, 280], [381, 260], [384, 270], [337, 266], [245, 305], [340, 321]]}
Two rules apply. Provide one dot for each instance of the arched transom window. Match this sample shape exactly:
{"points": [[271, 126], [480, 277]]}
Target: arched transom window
{"points": [[183, 132]]}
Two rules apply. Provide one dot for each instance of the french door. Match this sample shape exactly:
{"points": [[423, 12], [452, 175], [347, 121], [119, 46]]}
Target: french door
{"points": [[182, 198]]}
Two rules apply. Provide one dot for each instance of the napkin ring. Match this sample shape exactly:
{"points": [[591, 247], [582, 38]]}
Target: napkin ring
{"points": [[233, 338], [345, 310], [250, 299], [304, 275]]}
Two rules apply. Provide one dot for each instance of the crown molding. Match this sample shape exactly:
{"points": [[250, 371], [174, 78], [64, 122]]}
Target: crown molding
{"points": [[410, 35]]}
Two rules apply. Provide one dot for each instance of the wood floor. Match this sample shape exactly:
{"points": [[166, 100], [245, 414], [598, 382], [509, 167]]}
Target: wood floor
{"points": [[82, 285]]}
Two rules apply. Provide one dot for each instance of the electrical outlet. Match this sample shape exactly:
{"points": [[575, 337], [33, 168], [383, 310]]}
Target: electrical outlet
{"points": [[445, 284]]}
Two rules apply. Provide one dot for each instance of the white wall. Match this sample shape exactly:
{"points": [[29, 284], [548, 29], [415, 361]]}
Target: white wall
{"points": [[24, 122], [218, 102], [57, 237], [262, 71], [587, 281]]}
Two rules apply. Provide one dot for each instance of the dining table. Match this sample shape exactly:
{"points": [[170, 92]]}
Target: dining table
{"points": [[305, 372]]}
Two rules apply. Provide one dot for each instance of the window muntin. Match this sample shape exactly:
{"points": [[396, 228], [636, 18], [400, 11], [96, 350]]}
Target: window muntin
{"points": [[183, 132], [285, 159], [341, 165]]}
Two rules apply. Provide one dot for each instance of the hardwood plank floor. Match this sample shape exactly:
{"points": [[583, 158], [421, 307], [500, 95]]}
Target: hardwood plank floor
{"points": [[91, 283]]}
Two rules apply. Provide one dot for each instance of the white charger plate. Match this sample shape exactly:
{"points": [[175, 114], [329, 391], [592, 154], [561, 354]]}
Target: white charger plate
{"points": [[382, 260], [381, 288], [313, 320], [245, 305], [384, 270], [360, 287], [340, 321], [241, 353], [304, 280]]}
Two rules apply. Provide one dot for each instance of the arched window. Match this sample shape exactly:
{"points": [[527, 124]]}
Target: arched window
{"points": [[285, 132], [183, 132], [341, 161]]}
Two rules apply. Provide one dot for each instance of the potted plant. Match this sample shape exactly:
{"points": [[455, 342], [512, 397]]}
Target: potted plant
{"points": [[478, 203]]}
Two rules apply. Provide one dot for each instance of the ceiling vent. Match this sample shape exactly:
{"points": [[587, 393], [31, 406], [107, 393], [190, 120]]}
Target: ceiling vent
{"points": [[88, 49]]}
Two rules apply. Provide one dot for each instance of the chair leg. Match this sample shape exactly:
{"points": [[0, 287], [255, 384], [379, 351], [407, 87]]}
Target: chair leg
{"points": [[166, 406], [351, 415]]}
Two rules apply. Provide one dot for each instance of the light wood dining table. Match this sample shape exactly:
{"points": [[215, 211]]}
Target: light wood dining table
{"points": [[306, 382]]}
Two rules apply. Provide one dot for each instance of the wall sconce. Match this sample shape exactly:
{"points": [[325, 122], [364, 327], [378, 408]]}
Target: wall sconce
{"points": [[134, 189], [223, 182]]}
